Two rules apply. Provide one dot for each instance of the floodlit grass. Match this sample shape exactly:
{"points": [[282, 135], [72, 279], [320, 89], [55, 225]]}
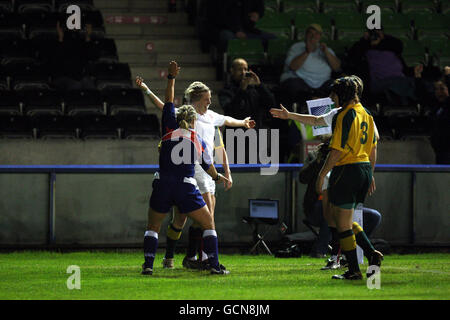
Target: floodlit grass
{"points": [[116, 275]]}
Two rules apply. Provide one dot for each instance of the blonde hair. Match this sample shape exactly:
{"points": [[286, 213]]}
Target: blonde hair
{"points": [[185, 115], [194, 92]]}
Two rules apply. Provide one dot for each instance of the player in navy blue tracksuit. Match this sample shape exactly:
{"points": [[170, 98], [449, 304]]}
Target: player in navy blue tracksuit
{"points": [[174, 184]]}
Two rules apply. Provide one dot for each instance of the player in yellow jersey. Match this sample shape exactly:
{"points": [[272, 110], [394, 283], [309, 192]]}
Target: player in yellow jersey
{"points": [[352, 158]]}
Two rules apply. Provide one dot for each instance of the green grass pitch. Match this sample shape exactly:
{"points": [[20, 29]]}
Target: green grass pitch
{"points": [[116, 275]]}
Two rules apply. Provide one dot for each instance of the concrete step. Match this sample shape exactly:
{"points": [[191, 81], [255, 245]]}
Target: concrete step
{"points": [[137, 46], [137, 31], [200, 73], [143, 5], [162, 59]]}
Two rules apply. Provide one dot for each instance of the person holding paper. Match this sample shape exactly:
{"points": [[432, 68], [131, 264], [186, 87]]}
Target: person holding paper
{"points": [[352, 158]]}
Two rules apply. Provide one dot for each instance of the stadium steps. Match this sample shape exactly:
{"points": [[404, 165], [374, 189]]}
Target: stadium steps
{"points": [[148, 36]]}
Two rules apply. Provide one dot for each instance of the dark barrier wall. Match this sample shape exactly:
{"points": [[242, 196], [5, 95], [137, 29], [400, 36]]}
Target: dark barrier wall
{"points": [[107, 205]]}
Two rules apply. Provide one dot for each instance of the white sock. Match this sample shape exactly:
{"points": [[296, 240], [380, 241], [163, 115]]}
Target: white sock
{"points": [[204, 255]]}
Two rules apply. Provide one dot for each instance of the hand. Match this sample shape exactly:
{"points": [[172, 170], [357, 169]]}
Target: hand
{"points": [[254, 79], [173, 69], [282, 113], [229, 184], [374, 43], [140, 83], [254, 16], [241, 35], [319, 184], [248, 123], [418, 71], [311, 46], [372, 187], [245, 81]]}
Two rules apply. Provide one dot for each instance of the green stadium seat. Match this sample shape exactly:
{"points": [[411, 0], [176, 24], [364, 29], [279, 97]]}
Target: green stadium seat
{"points": [[413, 52], [349, 26], [386, 6], [431, 25], [277, 50], [439, 51], [271, 6], [335, 6], [303, 19], [251, 50], [299, 6], [276, 23], [340, 47], [398, 25], [422, 6], [445, 6]]}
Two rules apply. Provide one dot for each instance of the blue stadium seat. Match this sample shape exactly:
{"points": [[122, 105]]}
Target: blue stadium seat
{"points": [[10, 103], [139, 126], [98, 127], [81, 102], [16, 127], [55, 127], [41, 102], [124, 101]]}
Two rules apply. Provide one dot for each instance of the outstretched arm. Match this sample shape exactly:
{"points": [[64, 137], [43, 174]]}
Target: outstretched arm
{"points": [[154, 99], [311, 120]]}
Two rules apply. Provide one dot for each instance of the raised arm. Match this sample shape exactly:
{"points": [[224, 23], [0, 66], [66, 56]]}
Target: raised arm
{"points": [[153, 98], [173, 72], [246, 123], [308, 119]]}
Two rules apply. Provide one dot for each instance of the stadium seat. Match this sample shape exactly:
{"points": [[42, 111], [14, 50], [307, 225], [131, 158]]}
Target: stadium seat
{"points": [[120, 101], [438, 51], [98, 127], [271, 6], [16, 127], [95, 18], [398, 25], [277, 50], [139, 126], [303, 19], [386, 6], [61, 5], [349, 26], [251, 50], [338, 6], [276, 23], [384, 129], [431, 26], [4, 85], [413, 52], [445, 6], [6, 6], [41, 25], [103, 50], [55, 127], [47, 102], [411, 127], [26, 6], [11, 26], [299, 6], [340, 47], [10, 103], [81, 102], [25, 76], [16, 50], [110, 75], [420, 6]]}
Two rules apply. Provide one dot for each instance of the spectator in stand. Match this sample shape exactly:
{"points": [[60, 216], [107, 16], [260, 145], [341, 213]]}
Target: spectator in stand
{"points": [[69, 60], [377, 59], [244, 95], [438, 105], [308, 69]]}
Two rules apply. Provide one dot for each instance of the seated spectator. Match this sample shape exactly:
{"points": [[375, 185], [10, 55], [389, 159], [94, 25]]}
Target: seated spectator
{"points": [[438, 105], [308, 69], [377, 59], [244, 95], [69, 60]]}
